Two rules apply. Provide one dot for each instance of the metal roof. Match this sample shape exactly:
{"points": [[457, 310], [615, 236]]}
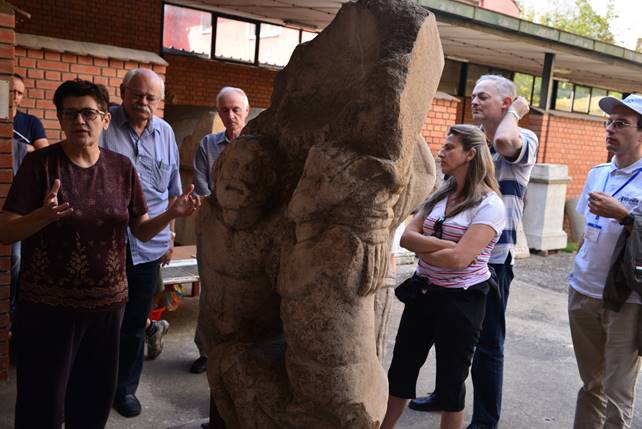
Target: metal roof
{"points": [[473, 34]]}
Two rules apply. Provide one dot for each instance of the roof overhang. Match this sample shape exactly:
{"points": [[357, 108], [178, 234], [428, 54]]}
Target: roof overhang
{"points": [[484, 37], [472, 34], [312, 15]]}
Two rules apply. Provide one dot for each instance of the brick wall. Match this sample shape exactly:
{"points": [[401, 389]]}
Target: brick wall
{"points": [[190, 80], [565, 138], [131, 24], [194, 81], [574, 140], [442, 114], [7, 40], [45, 70]]}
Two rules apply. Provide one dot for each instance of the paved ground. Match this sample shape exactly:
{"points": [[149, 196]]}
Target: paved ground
{"points": [[540, 378]]}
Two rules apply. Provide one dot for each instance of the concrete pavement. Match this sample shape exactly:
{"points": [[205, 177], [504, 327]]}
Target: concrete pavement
{"points": [[541, 378]]}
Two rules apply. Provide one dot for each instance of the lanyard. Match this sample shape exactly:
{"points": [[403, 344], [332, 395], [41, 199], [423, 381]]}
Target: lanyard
{"points": [[608, 174]]}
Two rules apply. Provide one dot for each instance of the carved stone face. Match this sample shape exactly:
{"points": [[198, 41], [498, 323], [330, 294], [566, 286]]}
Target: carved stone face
{"points": [[245, 176]]}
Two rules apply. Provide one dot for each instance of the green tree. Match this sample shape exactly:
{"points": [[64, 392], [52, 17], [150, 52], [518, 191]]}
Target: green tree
{"points": [[579, 18]]}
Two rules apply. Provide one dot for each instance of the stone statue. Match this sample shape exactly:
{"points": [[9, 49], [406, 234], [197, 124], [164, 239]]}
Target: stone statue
{"points": [[294, 244]]}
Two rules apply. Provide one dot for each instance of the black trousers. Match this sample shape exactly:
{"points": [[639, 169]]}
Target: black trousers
{"points": [[66, 366], [449, 319], [143, 283]]}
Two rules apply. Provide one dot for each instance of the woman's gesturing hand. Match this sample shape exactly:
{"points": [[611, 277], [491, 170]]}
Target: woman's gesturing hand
{"points": [[51, 209], [186, 204]]}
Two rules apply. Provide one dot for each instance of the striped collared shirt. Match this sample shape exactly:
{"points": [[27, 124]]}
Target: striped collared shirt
{"points": [[513, 177]]}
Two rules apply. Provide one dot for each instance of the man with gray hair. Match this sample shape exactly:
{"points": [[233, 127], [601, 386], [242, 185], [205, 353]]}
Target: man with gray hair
{"points": [[149, 142], [514, 149], [233, 107]]}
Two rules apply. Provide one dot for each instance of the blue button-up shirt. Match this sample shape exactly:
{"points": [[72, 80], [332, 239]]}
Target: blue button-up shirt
{"points": [[155, 156], [206, 155]]}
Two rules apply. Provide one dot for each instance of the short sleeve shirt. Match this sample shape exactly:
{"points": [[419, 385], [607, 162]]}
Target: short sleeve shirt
{"points": [[491, 212], [27, 128], [593, 260], [77, 262], [513, 177], [155, 156]]}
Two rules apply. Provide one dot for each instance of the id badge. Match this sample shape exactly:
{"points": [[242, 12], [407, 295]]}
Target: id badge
{"points": [[592, 232]]}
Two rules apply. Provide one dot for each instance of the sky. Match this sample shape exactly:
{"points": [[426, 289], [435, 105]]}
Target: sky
{"points": [[626, 28]]}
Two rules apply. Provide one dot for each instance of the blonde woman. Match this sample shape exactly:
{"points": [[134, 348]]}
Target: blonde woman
{"points": [[453, 235]]}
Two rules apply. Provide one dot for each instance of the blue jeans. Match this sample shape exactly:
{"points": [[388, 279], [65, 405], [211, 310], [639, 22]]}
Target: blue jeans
{"points": [[142, 282], [488, 362]]}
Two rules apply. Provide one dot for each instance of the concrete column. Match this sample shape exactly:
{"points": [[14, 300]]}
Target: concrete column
{"points": [[544, 208]]}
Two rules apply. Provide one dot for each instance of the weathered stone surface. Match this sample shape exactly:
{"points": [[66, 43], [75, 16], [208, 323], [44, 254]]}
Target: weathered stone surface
{"points": [[295, 244]]}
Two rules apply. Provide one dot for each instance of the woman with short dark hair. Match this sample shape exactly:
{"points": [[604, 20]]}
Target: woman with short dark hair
{"points": [[70, 204], [453, 235]]}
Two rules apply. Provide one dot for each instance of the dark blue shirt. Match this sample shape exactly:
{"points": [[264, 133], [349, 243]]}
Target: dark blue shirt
{"points": [[27, 128]]}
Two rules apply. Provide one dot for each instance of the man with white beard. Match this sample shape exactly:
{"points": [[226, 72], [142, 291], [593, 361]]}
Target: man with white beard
{"points": [[149, 142]]}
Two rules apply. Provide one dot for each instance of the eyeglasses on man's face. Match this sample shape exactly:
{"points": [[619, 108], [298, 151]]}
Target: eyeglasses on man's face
{"points": [[618, 124], [87, 114]]}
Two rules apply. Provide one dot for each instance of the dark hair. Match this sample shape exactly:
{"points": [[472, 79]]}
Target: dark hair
{"points": [[81, 88], [17, 76]]}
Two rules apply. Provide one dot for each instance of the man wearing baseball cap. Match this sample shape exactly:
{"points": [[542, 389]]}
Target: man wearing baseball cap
{"points": [[604, 340]]}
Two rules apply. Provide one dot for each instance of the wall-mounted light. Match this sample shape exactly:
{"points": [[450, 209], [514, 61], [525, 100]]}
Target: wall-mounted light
{"points": [[461, 60], [300, 24]]}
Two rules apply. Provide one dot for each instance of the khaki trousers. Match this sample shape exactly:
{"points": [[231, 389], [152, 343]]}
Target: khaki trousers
{"points": [[607, 359]]}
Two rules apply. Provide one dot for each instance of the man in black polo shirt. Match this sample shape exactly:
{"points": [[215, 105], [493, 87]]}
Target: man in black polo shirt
{"points": [[27, 128]]}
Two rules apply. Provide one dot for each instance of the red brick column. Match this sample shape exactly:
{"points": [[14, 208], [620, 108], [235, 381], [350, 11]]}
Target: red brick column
{"points": [[442, 114], [7, 41]]}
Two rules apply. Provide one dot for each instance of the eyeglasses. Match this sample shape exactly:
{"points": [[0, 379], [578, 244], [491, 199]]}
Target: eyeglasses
{"points": [[438, 227], [618, 124], [149, 97], [87, 114]]}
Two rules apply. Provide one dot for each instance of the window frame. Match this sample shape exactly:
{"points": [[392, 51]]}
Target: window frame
{"points": [[214, 19], [164, 50]]}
